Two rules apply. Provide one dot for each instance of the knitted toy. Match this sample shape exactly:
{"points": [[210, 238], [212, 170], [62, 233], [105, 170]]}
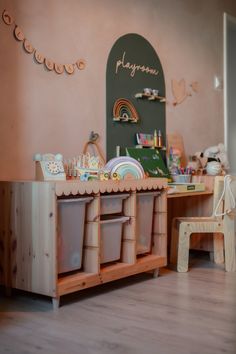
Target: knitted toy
{"points": [[213, 154]]}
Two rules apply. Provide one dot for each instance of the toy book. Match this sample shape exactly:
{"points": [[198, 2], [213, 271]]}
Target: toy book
{"points": [[151, 161]]}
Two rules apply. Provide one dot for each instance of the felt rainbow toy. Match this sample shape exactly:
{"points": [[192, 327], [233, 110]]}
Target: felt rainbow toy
{"points": [[124, 110]]}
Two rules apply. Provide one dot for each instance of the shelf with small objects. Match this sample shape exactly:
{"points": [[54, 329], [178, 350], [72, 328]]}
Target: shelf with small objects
{"points": [[154, 141], [151, 95]]}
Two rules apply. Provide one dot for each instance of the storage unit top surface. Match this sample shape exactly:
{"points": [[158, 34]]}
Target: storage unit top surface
{"points": [[89, 187]]}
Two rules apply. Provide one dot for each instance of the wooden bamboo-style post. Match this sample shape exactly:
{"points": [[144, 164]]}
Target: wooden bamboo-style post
{"points": [[91, 261], [129, 231]]}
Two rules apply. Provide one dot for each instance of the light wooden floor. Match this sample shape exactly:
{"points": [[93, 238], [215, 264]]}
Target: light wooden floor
{"points": [[179, 313]]}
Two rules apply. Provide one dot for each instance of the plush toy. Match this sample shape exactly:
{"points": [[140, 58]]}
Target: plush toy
{"points": [[213, 154], [219, 153]]}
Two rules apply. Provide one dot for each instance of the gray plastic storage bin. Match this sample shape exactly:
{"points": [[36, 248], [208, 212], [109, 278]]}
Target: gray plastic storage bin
{"points": [[145, 208], [112, 203], [111, 235], [71, 215]]}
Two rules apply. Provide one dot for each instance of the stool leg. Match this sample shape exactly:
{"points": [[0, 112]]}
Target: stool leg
{"points": [[174, 243], [155, 273], [218, 247], [56, 303], [183, 249], [229, 243]]}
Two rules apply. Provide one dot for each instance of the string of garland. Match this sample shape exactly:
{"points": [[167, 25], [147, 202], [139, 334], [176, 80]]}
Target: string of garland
{"points": [[40, 58]]}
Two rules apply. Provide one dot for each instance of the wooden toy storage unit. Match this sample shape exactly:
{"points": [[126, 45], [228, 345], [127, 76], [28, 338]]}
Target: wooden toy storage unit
{"points": [[30, 215], [29, 234]]}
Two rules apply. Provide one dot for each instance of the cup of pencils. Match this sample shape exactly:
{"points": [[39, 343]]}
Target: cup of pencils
{"points": [[182, 175]]}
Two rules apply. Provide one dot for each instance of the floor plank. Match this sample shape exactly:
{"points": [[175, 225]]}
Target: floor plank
{"points": [[179, 313]]}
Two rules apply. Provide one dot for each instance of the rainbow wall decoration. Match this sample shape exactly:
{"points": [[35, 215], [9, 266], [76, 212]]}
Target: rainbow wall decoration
{"points": [[124, 110]]}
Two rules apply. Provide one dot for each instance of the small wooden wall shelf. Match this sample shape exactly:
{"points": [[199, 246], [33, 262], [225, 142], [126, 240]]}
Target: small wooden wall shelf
{"points": [[150, 97], [29, 235], [138, 146]]}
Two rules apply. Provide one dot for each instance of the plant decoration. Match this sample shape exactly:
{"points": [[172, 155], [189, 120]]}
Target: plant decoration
{"points": [[124, 110], [49, 64]]}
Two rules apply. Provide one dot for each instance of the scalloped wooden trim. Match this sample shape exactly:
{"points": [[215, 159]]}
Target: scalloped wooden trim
{"points": [[77, 187]]}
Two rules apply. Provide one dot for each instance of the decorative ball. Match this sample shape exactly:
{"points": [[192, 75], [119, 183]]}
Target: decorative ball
{"points": [[37, 157], [213, 168], [59, 157]]}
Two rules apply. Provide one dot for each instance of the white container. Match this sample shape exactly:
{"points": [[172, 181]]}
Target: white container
{"points": [[182, 178], [213, 168], [71, 215], [112, 203], [111, 236], [145, 209]]}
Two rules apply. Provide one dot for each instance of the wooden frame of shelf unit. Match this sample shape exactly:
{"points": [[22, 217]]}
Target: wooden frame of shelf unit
{"points": [[28, 226]]}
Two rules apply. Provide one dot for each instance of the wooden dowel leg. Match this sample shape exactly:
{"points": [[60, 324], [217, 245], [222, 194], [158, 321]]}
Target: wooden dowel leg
{"points": [[56, 303], [183, 249], [156, 273], [218, 247]]}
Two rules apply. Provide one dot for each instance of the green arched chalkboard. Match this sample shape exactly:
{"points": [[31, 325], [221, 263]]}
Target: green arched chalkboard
{"points": [[132, 66]]}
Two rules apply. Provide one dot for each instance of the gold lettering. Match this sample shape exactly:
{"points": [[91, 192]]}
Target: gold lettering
{"points": [[127, 65], [120, 62], [134, 67]]}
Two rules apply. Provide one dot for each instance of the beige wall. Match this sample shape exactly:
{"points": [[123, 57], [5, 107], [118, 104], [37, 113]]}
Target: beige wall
{"points": [[44, 112]]}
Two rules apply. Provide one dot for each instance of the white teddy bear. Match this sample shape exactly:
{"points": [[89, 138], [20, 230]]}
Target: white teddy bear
{"points": [[218, 153], [214, 159]]}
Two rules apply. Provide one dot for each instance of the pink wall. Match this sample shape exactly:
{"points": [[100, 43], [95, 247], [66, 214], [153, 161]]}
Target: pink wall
{"points": [[45, 112]]}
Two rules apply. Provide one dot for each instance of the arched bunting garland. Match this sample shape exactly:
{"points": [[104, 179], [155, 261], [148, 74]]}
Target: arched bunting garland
{"points": [[124, 110], [39, 57], [132, 65]]}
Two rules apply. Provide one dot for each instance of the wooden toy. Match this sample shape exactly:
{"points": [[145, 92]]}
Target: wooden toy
{"points": [[103, 176], [115, 176], [124, 110], [49, 167], [124, 167]]}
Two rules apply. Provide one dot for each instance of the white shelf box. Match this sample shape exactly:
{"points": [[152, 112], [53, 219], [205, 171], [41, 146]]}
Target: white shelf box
{"points": [[111, 237], [112, 203], [71, 219], [145, 208]]}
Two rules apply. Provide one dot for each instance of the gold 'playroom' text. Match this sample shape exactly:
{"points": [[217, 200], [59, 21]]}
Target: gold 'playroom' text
{"points": [[134, 67]]}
